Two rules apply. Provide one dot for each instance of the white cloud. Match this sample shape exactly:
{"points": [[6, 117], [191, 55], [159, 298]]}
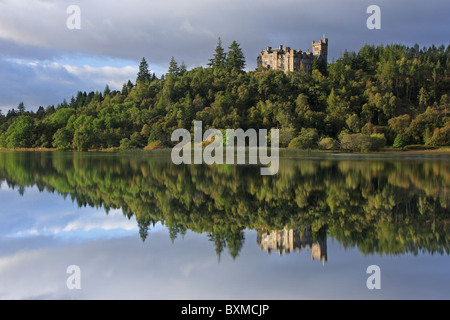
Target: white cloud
{"points": [[187, 30], [42, 82], [113, 76], [88, 225]]}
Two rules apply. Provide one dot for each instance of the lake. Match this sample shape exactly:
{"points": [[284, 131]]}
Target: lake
{"points": [[136, 226]]}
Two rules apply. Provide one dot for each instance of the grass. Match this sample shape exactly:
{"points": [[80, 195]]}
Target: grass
{"points": [[26, 149]]}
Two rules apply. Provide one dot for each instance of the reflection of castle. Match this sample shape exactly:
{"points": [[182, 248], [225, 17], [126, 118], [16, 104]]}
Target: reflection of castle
{"points": [[287, 240]]}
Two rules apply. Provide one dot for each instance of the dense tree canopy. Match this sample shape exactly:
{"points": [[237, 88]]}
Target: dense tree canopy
{"points": [[396, 91]]}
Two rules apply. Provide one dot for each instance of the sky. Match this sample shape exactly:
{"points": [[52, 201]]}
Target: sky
{"points": [[42, 234], [43, 60]]}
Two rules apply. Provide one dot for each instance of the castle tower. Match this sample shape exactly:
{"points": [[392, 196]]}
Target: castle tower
{"points": [[320, 48]]}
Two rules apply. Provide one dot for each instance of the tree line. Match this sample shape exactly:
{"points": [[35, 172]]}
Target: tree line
{"points": [[390, 95]]}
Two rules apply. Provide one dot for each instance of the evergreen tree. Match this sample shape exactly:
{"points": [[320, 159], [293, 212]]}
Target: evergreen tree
{"points": [[129, 85], [21, 108], [235, 58], [174, 70], [107, 91], [219, 59], [124, 89], [183, 68], [143, 225], [144, 73]]}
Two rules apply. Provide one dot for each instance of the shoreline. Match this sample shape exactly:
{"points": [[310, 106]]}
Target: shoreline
{"points": [[282, 151]]}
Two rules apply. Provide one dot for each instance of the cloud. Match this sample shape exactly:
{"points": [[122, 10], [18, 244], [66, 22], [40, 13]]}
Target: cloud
{"points": [[126, 268], [93, 225], [33, 266], [41, 83], [188, 31], [41, 215], [114, 77]]}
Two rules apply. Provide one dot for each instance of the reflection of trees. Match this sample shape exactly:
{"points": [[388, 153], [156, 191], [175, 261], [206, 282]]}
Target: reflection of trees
{"points": [[380, 206], [233, 240]]}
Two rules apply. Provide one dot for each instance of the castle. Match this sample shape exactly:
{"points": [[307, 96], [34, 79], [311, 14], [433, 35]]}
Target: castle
{"points": [[289, 240], [287, 59]]}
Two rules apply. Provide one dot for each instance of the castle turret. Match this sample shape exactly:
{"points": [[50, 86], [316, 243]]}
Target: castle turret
{"points": [[320, 48]]}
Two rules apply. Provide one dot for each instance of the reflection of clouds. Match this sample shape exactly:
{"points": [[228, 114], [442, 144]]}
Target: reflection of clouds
{"points": [[9, 263], [43, 214], [79, 224], [25, 275], [196, 266], [34, 266], [126, 268], [114, 220]]}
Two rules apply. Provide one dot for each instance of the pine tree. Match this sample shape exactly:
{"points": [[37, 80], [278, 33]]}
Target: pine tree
{"points": [[183, 68], [124, 89], [143, 74], [174, 70], [107, 91], [219, 59], [21, 108], [129, 85], [235, 58]]}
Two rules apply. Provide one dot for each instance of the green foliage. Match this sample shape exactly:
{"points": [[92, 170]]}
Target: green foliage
{"points": [[354, 123], [85, 134], [328, 143], [174, 70], [307, 139], [219, 59], [20, 133], [62, 139], [400, 124], [377, 141], [144, 73], [21, 108], [368, 129], [286, 135], [386, 89], [422, 127], [361, 142], [3, 143], [235, 59], [355, 142], [441, 137], [400, 141]]}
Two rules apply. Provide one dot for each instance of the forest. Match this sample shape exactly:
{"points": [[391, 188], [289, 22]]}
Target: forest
{"points": [[381, 96]]}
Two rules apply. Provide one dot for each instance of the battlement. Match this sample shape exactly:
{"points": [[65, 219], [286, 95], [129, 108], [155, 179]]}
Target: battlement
{"points": [[320, 48]]}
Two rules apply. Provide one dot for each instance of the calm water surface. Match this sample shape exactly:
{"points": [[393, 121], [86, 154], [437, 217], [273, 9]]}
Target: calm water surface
{"points": [[140, 227]]}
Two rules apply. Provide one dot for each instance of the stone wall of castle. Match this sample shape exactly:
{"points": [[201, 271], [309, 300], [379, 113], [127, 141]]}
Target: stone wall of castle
{"points": [[287, 59], [289, 240]]}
